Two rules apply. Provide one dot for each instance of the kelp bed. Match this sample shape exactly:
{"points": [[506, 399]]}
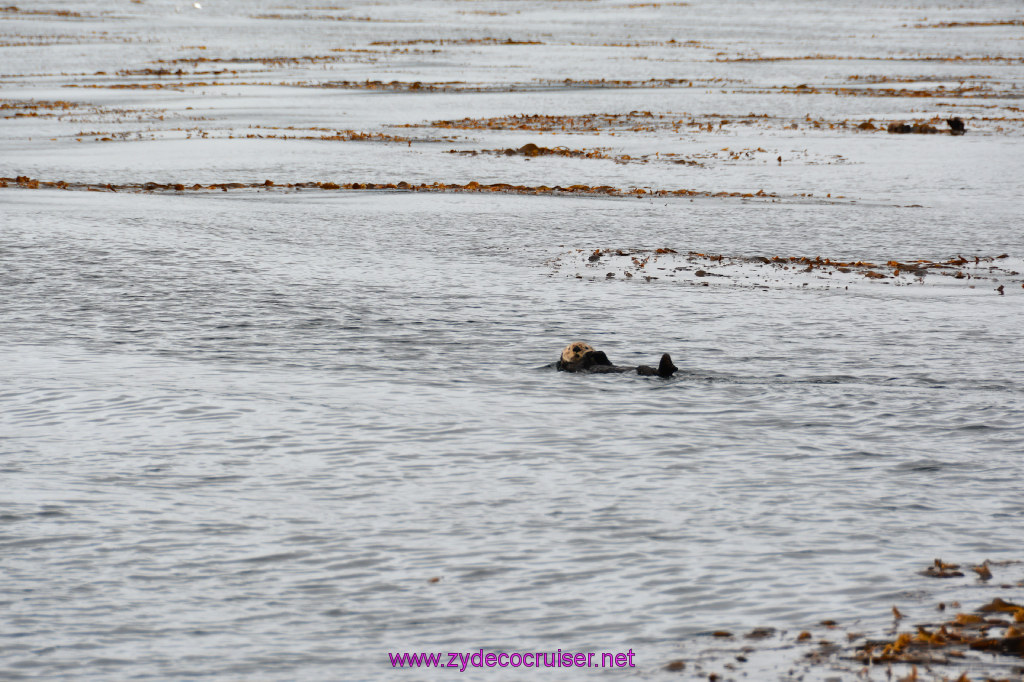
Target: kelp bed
{"points": [[948, 642], [1000, 274], [24, 182]]}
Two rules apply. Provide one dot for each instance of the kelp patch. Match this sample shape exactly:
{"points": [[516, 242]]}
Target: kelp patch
{"points": [[25, 182], [997, 274], [943, 641]]}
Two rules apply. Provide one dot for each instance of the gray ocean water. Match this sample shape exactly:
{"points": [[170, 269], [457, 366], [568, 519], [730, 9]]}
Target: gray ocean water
{"points": [[277, 435]]}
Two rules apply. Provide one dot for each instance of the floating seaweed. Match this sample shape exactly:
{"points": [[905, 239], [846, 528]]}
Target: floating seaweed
{"points": [[987, 642], [972, 24], [59, 13], [35, 108], [955, 59], [762, 271], [26, 182], [940, 569], [315, 17], [456, 41]]}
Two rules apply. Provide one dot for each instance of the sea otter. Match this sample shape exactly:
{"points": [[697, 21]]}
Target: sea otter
{"points": [[581, 357]]}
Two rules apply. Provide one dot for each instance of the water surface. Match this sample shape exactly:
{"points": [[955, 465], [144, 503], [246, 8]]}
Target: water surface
{"points": [[243, 432]]}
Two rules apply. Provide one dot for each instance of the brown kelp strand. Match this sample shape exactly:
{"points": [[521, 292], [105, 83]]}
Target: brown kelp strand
{"points": [[700, 159], [251, 133], [315, 17], [972, 24], [14, 10], [25, 182], [952, 59], [79, 111], [684, 123], [977, 91], [530, 86], [268, 61], [531, 150], [34, 108], [456, 41]]}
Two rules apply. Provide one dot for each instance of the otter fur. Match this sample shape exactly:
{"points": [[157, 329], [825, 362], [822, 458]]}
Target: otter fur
{"points": [[580, 356]]}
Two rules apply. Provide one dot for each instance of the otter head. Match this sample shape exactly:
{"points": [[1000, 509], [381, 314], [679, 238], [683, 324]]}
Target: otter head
{"points": [[575, 351]]}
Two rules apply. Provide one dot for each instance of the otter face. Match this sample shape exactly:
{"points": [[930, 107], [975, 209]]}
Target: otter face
{"points": [[575, 351]]}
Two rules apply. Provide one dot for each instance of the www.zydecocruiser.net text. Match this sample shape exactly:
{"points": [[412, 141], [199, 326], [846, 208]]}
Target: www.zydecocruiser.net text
{"points": [[462, 660]]}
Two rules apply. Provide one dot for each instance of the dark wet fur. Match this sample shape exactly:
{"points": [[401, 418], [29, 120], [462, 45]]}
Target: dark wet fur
{"points": [[596, 362]]}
